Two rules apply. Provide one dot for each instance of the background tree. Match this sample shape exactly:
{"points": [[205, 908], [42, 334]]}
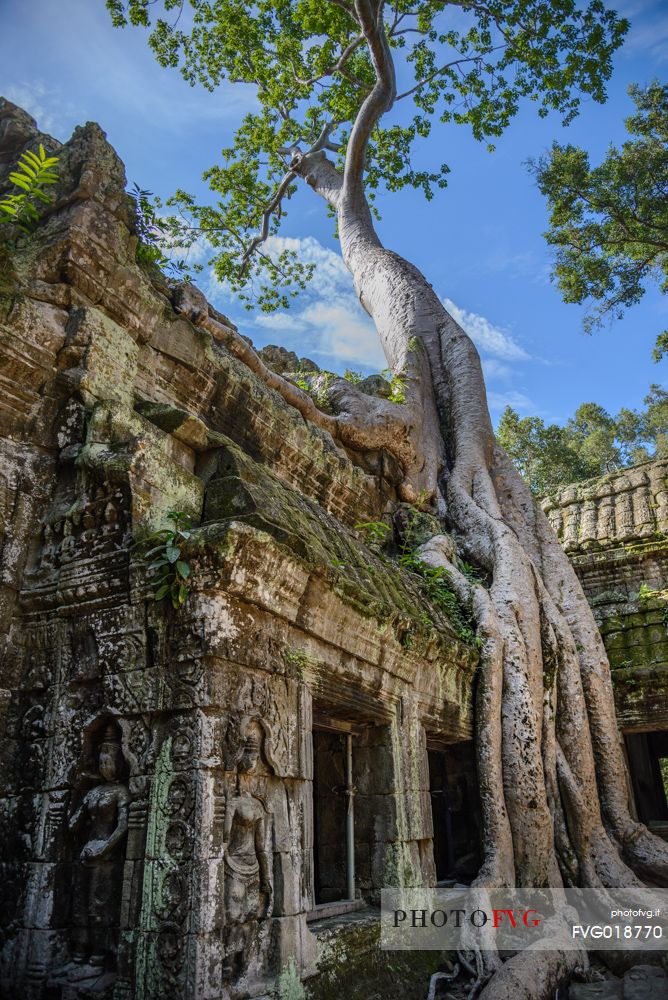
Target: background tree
{"points": [[543, 454], [591, 443], [329, 75], [609, 224]]}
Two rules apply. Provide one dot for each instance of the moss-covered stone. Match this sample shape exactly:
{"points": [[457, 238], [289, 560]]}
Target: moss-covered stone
{"points": [[352, 964]]}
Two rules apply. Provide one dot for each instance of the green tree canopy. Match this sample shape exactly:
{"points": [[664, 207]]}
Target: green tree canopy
{"points": [[591, 443], [609, 223], [312, 67]]}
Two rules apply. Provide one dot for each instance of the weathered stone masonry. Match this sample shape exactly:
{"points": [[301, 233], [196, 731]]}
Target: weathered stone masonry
{"points": [[615, 530], [157, 768]]}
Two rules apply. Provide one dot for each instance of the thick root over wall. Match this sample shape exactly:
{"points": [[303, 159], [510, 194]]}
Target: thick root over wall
{"points": [[550, 765]]}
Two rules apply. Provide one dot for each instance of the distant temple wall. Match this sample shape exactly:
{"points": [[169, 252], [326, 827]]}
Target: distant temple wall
{"points": [[615, 531]]}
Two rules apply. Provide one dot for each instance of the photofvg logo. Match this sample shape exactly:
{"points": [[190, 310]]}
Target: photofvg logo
{"points": [[514, 919]]}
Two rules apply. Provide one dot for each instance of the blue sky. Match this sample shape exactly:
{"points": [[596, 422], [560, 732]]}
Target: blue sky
{"points": [[479, 242]]}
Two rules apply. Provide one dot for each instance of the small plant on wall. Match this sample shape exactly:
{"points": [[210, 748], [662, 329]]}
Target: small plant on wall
{"points": [[34, 173], [168, 571]]}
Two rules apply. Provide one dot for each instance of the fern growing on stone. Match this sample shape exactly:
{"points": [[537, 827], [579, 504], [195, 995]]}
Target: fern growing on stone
{"points": [[34, 173]]}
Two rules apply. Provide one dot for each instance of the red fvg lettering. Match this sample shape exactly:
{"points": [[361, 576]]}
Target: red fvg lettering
{"points": [[526, 920]]}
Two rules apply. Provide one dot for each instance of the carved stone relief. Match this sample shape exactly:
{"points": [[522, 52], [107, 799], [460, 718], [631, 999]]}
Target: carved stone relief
{"points": [[248, 861], [100, 825]]}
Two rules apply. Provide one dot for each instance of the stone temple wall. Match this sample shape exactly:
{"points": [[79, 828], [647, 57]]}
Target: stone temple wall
{"points": [[156, 767], [615, 531]]}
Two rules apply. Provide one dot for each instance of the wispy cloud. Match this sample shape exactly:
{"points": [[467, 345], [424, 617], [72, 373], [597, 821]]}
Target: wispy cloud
{"points": [[494, 369], [331, 327], [488, 338], [648, 35], [346, 334], [523, 265], [116, 67], [518, 400], [51, 111]]}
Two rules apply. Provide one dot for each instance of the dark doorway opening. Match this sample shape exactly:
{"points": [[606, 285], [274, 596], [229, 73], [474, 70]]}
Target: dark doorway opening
{"points": [[329, 816], [455, 810], [648, 766]]}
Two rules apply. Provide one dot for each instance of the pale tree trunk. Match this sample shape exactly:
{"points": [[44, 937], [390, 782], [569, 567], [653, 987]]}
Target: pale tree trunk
{"points": [[547, 742]]}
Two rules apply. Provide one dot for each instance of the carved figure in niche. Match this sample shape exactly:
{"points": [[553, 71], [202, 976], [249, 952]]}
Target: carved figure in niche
{"points": [[248, 888], [49, 548], [68, 544], [101, 821]]}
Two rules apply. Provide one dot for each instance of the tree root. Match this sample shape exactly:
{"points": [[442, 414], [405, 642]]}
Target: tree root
{"points": [[364, 423], [438, 977], [551, 733]]}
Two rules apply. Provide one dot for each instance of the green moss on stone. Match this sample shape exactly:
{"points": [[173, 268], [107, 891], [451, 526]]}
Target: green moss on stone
{"points": [[354, 966]]}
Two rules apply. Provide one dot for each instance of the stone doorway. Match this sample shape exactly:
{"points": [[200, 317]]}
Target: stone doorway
{"points": [[648, 767], [455, 810], [333, 816]]}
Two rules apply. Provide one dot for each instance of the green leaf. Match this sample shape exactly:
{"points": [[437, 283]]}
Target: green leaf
{"points": [[172, 553], [160, 562], [25, 166], [19, 180], [183, 569], [161, 592], [153, 551], [32, 159], [553, 56]]}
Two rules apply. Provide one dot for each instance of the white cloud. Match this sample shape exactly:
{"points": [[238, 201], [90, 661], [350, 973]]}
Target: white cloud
{"points": [[106, 69], [331, 276], [518, 401], [45, 104], [521, 266], [345, 333], [488, 338], [649, 32], [332, 327], [282, 322], [495, 369]]}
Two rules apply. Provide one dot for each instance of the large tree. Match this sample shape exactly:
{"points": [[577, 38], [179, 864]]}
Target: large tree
{"points": [[326, 74], [609, 223]]}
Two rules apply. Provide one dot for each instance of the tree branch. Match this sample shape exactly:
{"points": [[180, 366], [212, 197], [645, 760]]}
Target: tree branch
{"points": [[442, 69], [366, 423], [380, 100], [273, 205], [327, 183], [314, 167], [338, 67]]}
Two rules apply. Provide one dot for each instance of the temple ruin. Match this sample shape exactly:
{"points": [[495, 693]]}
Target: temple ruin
{"points": [[197, 799]]}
